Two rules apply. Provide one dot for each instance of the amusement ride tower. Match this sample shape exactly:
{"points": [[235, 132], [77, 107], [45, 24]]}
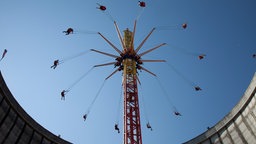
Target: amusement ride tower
{"points": [[130, 62]]}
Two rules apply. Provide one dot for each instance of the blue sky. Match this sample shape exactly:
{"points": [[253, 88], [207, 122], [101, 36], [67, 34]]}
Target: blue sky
{"points": [[31, 31]]}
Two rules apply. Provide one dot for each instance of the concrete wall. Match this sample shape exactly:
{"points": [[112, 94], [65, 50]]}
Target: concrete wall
{"points": [[17, 127], [237, 127]]}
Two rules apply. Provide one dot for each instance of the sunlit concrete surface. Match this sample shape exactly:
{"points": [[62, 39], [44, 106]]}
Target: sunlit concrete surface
{"points": [[237, 127], [17, 127]]}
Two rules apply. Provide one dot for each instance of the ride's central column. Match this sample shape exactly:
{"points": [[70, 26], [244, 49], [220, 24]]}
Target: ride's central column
{"points": [[132, 126]]}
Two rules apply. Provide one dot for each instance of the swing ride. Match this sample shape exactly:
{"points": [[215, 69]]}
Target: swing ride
{"points": [[129, 62]]}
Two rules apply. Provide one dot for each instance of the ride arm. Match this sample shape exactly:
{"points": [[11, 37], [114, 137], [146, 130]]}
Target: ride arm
{"points": [[153, 60], [133, 33], [112, 74], [138, 48], [156, 47], [111, 55], [119, 35], [106, 64], [148, 71], [110, 43]]}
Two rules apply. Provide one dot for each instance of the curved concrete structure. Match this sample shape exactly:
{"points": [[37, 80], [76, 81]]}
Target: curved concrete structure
{"points": [[17, 127], [237, 127]]}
